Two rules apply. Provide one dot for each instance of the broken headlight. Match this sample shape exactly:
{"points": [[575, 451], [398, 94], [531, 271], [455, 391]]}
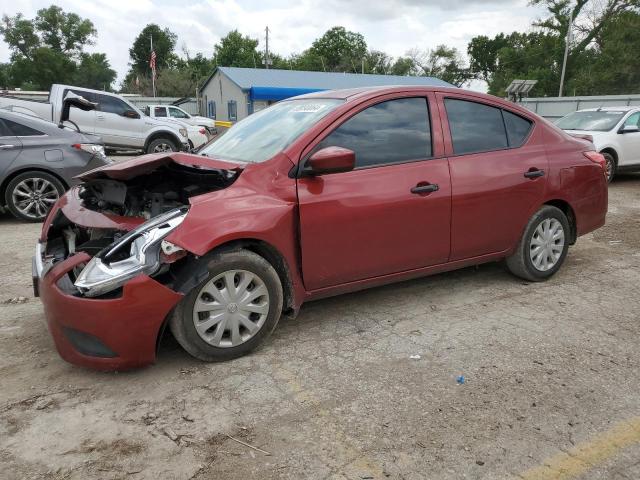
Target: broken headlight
{"points": [[136, 252]]}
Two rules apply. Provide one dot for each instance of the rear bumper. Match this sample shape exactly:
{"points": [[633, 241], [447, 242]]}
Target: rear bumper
{"points": [[103, 333]]}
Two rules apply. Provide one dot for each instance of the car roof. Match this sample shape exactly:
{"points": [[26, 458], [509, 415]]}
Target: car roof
{"points": [[619, 108]]}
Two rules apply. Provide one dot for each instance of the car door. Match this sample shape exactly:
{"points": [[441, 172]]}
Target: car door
{"points": [[10, 147], [372, 221], [630, 142], [113, 124], [85, 120], [498, 170]]}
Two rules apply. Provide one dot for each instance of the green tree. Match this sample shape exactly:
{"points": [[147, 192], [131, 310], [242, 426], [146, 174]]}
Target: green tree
{"points": [[338, 50], [94, 71], [164, 43], [402, 66], [49, 49], [441, 62], [377, 62], [237, 50]]}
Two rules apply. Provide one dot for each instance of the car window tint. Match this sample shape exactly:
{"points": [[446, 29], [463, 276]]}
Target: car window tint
{"points": [[109, 104], [633, 120], [86, 95], [389, 132], [20, 130], [518, 128], [475, 127], [4, 130], [159, 112]]}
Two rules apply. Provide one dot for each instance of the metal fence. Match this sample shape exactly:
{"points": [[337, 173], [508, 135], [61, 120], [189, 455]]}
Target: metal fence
{"points": [[556, 107], [190, 106]]}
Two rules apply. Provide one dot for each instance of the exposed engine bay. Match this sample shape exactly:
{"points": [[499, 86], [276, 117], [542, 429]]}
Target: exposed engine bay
{"points": [[166, 188]]}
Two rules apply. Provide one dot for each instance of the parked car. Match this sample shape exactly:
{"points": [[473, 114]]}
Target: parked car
{"points": [[318, 195], [119, 123], [172, 111], [38, 161], [615, 132]]}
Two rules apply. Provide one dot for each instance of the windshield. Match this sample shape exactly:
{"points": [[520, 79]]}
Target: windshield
{"points": [[593, 120], [260, 136]]}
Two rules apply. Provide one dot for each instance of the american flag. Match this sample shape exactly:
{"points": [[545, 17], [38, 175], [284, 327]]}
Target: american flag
{"points": [[152, 62]]}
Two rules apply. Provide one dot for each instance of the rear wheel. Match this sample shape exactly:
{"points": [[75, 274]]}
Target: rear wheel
{"points": [[230, 312], [543, 246], [162, 145], [610, 165], [31, 195]]}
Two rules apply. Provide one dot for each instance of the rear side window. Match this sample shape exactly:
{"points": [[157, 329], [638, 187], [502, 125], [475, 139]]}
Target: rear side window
{"points": [[475, 127], [518, 128], [109, 104], [159, 112], [20, 130], [390, 132], [4, 130]]}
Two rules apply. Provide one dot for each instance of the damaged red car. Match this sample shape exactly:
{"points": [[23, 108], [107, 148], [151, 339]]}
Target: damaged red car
{"points": [[315, 196]]}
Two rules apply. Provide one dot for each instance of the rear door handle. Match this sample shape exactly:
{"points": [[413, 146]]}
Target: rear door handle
{"points": [[428, 188], [534, 173]]}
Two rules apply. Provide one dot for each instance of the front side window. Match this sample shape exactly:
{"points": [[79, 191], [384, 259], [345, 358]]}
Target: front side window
{"points": [[20, 130], [633, 120], [475, 127], [591, 120], [262, 135], [390, 132], [114, 105], [177, 113], [159, 112]]}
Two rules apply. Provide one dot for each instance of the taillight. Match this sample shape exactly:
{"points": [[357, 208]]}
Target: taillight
{"points": [[598, 158]]}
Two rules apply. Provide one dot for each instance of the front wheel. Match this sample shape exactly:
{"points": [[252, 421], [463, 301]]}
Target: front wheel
{"points": [[610, 166], [543, 246], [162, 145], [230, 312]]}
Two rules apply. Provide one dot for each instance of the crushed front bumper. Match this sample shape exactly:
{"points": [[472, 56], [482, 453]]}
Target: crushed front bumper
{"points": [[102, 333]]}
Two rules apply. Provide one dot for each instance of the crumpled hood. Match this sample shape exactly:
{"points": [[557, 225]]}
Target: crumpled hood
{"points": [[147, 163]]}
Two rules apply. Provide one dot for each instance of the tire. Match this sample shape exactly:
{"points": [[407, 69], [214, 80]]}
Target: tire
{"points": [[611, 166], [551, 257], [208, 343], [40, 190], [160, 145]]}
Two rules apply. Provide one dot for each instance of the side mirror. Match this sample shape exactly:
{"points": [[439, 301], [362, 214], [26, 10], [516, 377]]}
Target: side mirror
{"points": [[130, 114], [331, 160], [629, 129]]}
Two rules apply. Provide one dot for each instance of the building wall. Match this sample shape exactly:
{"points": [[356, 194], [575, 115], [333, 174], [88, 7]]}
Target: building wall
{"points": [[553, 108], [221, 90]]}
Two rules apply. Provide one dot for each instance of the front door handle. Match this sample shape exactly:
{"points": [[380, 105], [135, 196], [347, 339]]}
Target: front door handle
{"points": [[426, 188], [534, 173]]}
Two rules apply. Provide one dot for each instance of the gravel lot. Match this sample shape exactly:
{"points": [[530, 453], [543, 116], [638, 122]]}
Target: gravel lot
{"points": [[551, 381]]}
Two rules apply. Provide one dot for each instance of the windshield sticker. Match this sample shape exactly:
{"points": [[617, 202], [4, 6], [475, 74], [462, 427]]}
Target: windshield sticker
{"points": [[308, 108]]}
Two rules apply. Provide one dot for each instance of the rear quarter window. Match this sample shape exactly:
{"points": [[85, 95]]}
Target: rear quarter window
{"points": [[518, 128], [20, 130]]}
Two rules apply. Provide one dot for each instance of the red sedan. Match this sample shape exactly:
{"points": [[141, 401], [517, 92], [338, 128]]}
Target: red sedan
{"points": [[315, 196]]}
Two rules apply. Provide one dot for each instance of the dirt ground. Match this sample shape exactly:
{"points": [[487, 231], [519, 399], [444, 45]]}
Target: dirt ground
{"points": [[550, 388]]}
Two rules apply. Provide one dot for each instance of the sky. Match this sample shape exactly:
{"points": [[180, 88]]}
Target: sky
{"points": [[393, 26]]}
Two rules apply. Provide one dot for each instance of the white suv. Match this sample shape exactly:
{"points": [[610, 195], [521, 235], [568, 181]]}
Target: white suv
{"points": [[615, 132]]}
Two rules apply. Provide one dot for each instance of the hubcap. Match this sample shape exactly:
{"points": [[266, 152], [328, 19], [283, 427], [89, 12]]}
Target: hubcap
{"points": [[231, 308], [547, 244], [163, 147], [33, 197]]}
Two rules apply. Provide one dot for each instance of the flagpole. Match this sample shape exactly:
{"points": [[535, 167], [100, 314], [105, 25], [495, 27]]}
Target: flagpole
{"points": [[153, 72]]}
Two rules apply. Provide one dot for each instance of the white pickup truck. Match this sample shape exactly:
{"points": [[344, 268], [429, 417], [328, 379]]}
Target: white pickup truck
{"points": [[120, 124], [175, 112]]}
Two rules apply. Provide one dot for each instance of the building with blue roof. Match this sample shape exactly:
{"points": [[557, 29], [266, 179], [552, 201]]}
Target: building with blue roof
{"points": [[232, 93]]}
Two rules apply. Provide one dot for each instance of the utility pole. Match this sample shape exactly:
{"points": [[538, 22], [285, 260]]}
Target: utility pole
{"points": [[566, 53], [267, 61]]}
